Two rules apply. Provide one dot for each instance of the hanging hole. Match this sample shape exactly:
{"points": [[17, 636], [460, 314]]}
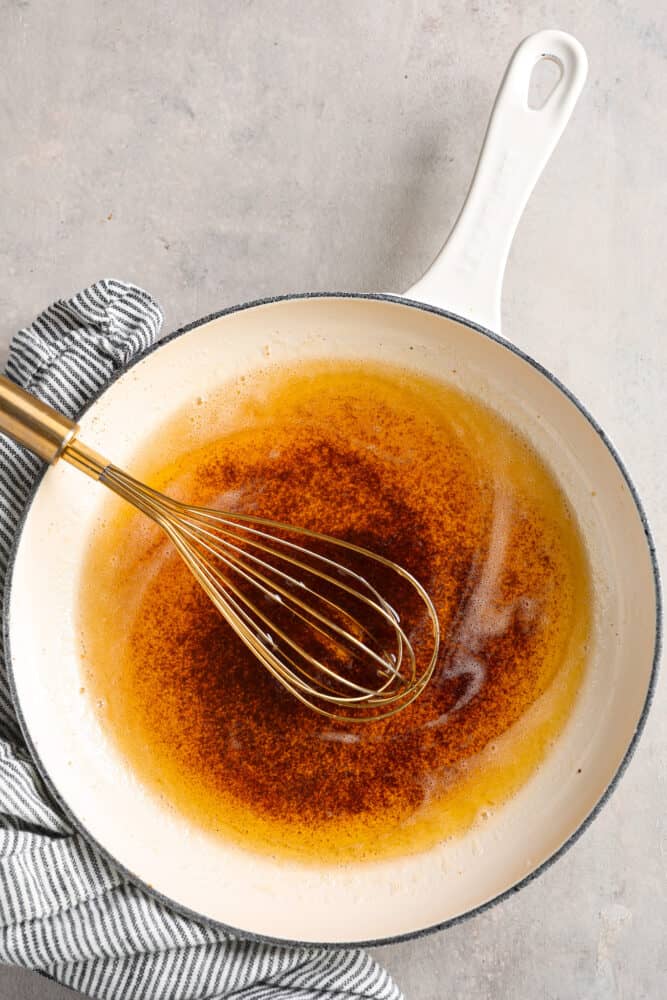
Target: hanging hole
{"points": [[544, 79]]}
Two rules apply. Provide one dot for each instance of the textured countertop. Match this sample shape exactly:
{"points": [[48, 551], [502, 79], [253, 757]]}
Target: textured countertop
{"points": [[215, 153]]}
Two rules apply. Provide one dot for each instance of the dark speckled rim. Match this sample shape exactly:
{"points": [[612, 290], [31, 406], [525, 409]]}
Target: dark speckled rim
{"points": [[77, 825]]}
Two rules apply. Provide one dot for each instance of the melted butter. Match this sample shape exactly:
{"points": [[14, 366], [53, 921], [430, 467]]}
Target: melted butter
{"points": [[416, 471]]}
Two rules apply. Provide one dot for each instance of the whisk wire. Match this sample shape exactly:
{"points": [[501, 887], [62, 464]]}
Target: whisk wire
{"points": [[274, 590], [229, 555], [214, 576]]}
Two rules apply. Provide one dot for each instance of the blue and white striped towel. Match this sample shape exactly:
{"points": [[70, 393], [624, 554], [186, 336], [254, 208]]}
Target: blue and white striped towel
{"points": [[64, 910]]}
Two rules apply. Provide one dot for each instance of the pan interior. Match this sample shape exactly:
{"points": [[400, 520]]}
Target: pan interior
{"points": [[422, 475], [333, 902]]}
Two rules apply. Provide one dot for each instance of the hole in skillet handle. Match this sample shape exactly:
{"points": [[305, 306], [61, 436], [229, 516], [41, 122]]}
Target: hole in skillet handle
{"points": [[547, 74]]}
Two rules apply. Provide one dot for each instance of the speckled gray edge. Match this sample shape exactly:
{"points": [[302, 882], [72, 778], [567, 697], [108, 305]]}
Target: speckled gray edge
{"points": [[421, 932]]}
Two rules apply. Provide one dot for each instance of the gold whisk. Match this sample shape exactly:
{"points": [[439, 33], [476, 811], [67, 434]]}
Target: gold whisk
{"points": [[317, 624]]}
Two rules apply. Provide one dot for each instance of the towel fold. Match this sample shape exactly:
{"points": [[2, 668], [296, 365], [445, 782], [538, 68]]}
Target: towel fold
{"points": [[64, 910]]}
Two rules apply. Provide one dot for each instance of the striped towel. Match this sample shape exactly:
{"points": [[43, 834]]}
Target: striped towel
{"points": [[64, 910]]}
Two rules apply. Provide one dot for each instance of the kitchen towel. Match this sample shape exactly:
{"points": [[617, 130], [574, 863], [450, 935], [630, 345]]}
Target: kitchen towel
{"points": [[64, 909]]}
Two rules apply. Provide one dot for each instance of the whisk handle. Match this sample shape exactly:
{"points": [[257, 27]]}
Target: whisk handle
{"points": [[32, 423]]}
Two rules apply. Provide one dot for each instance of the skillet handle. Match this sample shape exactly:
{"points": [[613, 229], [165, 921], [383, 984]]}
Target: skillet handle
{"points": [[466, 276]]}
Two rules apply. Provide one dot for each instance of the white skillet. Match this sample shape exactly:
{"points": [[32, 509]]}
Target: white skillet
{"points": [[453, 324]]}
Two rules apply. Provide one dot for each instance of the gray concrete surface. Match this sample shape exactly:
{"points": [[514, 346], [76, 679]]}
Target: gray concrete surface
{"points": [[218, 152]]}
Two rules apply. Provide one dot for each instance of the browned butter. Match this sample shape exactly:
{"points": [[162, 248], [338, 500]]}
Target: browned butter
{"points": [[420, 473]]}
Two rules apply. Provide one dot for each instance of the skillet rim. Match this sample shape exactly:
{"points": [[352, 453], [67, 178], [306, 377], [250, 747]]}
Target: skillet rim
{"points": [[80, 828]]}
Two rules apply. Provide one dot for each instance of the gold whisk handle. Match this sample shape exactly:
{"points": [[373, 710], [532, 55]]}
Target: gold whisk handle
{"points": [[32, 423], [44, 431]]}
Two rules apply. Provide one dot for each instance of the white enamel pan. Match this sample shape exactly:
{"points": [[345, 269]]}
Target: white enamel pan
{"points": [[448, 325]]}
